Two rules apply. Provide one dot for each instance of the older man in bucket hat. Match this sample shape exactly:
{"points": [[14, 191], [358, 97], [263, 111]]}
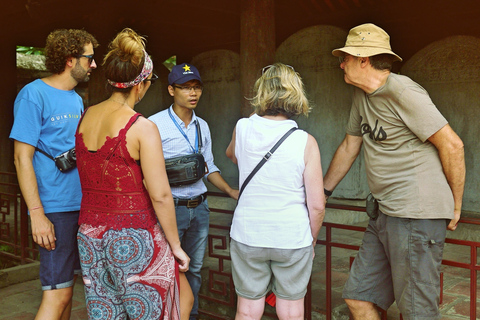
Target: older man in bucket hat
{"points": [[416, 174]]}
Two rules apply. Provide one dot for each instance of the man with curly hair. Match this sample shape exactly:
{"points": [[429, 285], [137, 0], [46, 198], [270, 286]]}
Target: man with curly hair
{"points": [[46, 114]]}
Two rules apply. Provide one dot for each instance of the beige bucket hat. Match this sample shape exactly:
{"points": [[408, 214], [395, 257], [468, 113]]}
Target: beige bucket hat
{"points": [[366, 40]]}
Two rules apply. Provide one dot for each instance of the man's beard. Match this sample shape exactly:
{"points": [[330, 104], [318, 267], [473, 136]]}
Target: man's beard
{"points": [[79, 74]]}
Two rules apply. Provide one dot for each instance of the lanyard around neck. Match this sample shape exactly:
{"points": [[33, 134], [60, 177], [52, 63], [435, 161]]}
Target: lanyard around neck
{"points": [[195, 150]]}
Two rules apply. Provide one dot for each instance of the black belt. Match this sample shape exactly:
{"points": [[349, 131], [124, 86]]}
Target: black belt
{"points": [[190, 203]]}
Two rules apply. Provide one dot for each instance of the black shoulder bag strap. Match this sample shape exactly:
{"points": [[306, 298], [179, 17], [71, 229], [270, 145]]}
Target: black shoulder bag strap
{"points": [[41, 151], [200, 143], [265, 158], [199, 135]]}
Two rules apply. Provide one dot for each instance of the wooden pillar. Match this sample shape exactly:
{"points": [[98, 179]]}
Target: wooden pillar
{"points": [[8, 91], [257, 44]]}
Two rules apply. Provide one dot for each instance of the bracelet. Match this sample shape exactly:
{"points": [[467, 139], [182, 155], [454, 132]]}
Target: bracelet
{"points": [[35, 208], [328, 193]]}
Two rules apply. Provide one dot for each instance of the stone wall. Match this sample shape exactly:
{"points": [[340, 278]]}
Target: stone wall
{"points": [[448, 69], [220, 103], [309, 52]]}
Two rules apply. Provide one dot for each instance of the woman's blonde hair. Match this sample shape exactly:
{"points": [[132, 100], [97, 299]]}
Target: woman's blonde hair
{"points": [[280, 91], [125, 58]]}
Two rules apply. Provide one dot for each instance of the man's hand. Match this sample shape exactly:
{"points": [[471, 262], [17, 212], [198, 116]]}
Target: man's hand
{"points": [[43, 231], [454, 222], [234, 194], [216, 179]]}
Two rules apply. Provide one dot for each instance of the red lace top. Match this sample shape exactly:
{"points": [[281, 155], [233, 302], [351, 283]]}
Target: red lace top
{"points": [[112, 185]]}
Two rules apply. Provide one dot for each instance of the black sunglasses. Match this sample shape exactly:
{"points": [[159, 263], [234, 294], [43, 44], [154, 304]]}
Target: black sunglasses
{"points": [[152, 79], [89, 57]]}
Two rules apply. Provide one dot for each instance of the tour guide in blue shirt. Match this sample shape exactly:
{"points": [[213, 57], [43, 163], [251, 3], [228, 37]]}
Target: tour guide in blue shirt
{"points": [[177, 124]]}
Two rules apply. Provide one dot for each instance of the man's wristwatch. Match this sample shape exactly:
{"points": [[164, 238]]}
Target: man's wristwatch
{"points": [[328, 193]]}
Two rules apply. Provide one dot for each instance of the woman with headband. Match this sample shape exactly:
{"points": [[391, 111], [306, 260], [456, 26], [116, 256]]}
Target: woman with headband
{"points": [[281, 205], [130, 263]]}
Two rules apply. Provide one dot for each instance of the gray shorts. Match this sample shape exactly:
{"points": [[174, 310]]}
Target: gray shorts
{"points": [[400, 260], [257, 270]]}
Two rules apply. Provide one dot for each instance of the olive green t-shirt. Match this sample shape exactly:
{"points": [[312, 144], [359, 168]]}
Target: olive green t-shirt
{"points": [[404, 171]]}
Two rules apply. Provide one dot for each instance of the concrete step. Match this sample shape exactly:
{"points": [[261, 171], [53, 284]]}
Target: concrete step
{"points": [[19, 274]]}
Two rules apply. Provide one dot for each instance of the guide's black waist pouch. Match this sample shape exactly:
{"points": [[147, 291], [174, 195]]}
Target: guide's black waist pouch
{"points": [[185, 170]]}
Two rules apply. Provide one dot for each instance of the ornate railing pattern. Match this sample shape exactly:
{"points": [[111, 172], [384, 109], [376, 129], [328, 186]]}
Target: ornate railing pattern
{"points": [[219, 241]]}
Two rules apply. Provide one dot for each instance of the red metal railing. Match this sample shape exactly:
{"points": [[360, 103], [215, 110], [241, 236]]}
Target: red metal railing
{"points": [[472, 266], [14, 234], [228, 290]]}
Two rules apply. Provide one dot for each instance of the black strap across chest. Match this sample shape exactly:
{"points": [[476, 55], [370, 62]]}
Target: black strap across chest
{"points": [[265, 158]]}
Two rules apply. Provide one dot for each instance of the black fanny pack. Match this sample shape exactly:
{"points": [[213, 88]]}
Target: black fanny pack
{"points": [[185, 170]]}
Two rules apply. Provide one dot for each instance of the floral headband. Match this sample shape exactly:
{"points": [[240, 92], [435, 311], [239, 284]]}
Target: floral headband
{"points": [[147, 69]]}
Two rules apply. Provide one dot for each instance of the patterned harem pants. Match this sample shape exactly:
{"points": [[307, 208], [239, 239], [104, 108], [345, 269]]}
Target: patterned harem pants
{"points": [[128, 272]]}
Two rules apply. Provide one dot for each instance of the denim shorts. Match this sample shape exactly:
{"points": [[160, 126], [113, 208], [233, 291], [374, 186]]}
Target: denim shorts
{"points": [[57, 267], [400, 260], [257, 270]]}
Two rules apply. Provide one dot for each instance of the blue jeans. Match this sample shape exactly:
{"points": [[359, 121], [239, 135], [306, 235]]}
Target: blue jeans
{"points": [[192, 226]]}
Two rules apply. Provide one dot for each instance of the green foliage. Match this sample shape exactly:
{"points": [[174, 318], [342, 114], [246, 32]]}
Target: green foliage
{"points": [[6, 248], [30, 50], [170, 62]]}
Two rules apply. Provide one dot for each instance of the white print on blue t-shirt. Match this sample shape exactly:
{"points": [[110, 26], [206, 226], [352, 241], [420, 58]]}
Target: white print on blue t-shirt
{"points": [[62, 117]]}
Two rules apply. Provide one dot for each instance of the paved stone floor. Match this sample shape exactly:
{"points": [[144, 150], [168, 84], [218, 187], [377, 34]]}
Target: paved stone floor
{"points": [[21, 301]]}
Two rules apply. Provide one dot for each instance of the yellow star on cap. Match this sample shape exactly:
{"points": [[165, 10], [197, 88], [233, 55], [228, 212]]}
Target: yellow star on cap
{"points": [[186, 68]]}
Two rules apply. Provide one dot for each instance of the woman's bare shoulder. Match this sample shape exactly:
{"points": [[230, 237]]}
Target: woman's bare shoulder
{"points": [[144, 127]]}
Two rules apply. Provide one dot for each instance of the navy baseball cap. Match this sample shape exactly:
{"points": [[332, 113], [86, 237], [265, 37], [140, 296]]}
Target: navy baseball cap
{"points": [[182, 73]]}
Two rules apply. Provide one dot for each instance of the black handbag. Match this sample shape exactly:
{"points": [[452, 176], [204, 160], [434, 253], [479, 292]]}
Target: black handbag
{"points": [[187, 169]]}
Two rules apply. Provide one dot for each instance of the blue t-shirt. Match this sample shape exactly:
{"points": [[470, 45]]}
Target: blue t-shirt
{"points": [[46, 117]]}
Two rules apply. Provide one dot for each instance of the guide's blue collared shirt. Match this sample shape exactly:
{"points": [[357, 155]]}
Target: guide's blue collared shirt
{"points": [[174, 145]]}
